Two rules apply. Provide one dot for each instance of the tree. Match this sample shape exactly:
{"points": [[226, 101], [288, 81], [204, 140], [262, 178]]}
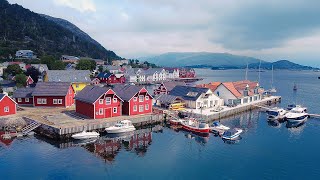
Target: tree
{"points": [[58, 65], [21, 80], [13, 69], [86, 64], [52, 63], [100, 68], [34, 73]]}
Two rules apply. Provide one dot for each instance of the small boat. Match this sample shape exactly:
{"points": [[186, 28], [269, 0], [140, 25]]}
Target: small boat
{"points": [[276, 114], [121, 127], [295, 88], [85, 135], [291, 106], [297, 115], [195, 126], [218, 128], [232, 134]]}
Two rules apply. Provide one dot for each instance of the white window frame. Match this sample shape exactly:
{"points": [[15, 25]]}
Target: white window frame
{"points": [[6, 109], [147, 107], [100, 101], [115, 109], [135, 108], [141, 98], [59, 101], [135, 99], [26, 100], [55, 101], [115, 100], [100, 111], [147, 97], [141, 108], [19, 100], [39, 101], [44, 101], [108, 100]]}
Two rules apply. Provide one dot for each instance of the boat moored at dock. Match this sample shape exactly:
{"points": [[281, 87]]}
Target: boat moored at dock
{"points": [[121, 127], [195, 126], [85, 135], [276, 114], [232, 134], [297, 115], [218, 128]]}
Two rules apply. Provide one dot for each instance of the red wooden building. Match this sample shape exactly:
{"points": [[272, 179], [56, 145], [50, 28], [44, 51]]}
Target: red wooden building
{"points": [[7, 105], [166, 87], [53, 94], [98, 102], [136, 99], [187, 73], [110, 78], [23, 96]]}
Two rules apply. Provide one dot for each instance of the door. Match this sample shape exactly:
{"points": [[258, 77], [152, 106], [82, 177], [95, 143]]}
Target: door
{"points": [[107, 112]]}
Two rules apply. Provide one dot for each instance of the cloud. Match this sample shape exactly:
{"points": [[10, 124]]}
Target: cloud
{"points": [[80, 5]]}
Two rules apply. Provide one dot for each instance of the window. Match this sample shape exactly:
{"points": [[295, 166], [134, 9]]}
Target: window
{"points": [[114, 110], [39, 101], [100, 101], [27, 99], [141, 98], [115, 100], [147, 98], [19, 100], [44, 101], [59, 101], [135, 99], [100, 111], [147, 107], [6, 109], [135, 108], [141, 108], [108, 100], [55, 101]]}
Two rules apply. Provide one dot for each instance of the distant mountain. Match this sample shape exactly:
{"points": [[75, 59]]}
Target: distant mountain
{"points": [[21, 28], [201, 59], [281, 64]]}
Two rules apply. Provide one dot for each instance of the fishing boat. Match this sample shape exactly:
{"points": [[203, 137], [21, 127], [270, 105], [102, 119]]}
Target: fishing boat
{"points": [[195, 126], [276, 114], [121, 127], [232, 134], [297, 115], [175, 121], [85, 135], [216, 127]]}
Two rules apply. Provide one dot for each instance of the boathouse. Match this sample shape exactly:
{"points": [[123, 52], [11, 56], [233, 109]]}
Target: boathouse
{"points": [[169, 102], [110, 78], [196, 97], [53, 94], [7, 105], [166, 87], [98, 102], [136, 99], [23, 96]]}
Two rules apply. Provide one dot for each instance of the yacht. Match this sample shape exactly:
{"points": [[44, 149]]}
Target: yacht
{"points": [[297, 115], [121, 127], [232, 134], [276, 114], [218, 128], [291, 106], [85, 135]]}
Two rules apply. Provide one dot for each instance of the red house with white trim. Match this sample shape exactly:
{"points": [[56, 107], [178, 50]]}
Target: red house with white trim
{"points": [[23, 96], [53, 94], [98, 102], [136, 99], [7, 105], [110, 78]]}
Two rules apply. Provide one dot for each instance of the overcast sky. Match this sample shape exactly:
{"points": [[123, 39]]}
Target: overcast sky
{"points": [[266, 29]]}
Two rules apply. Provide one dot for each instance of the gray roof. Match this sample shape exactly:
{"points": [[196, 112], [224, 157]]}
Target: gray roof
{"points": [[171, 84], [1, 96], [166, 98], [126, 92], [188, 92], [23, 93], [151, 71], [68, 76], [90, 93], [109, 67], [38, 66], [51, 89]]}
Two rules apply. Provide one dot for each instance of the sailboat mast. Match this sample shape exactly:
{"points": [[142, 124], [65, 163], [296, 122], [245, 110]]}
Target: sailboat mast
{"points": [[259, 72], [272, 78], [246, 72]]}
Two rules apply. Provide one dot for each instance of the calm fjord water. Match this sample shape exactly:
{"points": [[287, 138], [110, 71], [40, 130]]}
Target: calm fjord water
{"points": [[264, 152]]}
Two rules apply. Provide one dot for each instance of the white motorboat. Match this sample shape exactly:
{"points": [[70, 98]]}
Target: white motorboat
{"points": [[121, 127], [276, 113], [291, 106], [232, 134], [85, 135], [218, 128], [297, 115]]}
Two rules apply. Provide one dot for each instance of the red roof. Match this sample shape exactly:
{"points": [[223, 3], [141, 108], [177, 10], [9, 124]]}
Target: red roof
{"points": [[237, 88], [212, 86]]}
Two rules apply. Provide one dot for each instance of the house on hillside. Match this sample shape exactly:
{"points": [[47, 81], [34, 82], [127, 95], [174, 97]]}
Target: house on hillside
{"points": [[98, 102], [27, 54], [119, 62], [22, 65], [23, 96], [78, 78], [136, 99], [187, 73], [114, 69], [172, 73], [69, 59], [110, 78], [196, 97], [240, 92], [155, 74], [53, 94], [7, 105], [42, 68], [166, 87]]}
